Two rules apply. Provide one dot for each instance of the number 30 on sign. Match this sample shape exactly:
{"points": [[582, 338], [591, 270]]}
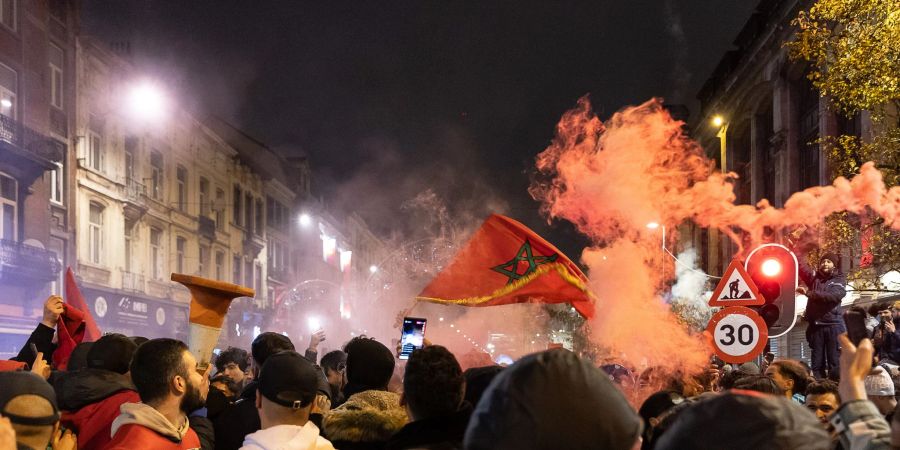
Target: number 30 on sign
{"points": [[739, 334]]}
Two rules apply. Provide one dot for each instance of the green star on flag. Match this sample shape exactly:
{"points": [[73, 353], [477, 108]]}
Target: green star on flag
{"points": [[525, 254]]}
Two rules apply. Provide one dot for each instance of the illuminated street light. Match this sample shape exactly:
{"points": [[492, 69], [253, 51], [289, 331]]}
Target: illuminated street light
{"points": [[147, 102], [373, 268], [6, 103], [305, 220], [718, 121], [653, 225]]}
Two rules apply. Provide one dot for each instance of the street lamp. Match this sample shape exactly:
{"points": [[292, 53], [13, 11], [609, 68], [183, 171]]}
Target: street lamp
{"points": [[305, 220], [146, 101], [655, 225], [720, 123], [373, 268]]}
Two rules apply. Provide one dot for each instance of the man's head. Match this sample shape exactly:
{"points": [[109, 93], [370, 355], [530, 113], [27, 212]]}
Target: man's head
{"points": [[233, 363], [265, 345], [288, 384], [759, 383], [112, 352], [370, 364], [823, 399], [828, 263], [30, 404], [880, 390], [164, 370], [433, 384], [334, 364], [790, 375]]}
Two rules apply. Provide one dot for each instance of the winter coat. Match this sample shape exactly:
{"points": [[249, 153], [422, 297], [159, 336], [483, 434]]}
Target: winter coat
{"points": [[366, 420], [90, 401], [140, 427], [444, 433], [42, 338], [825, 293], [287, 437], [237, 420]]}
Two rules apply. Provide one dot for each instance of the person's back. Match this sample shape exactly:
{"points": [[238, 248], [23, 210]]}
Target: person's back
{"points": [[91, 397], [371, 414], [288, 385], [164, 373], [433, 386], [241, 418]]}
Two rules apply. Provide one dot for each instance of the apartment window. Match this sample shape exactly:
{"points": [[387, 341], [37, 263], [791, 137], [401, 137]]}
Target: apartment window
{"points": [[8, 13], [220, 265], [8, 88], [57, 181], [270, 210], [204, 197], [156, 175], [129, 237], [181, 179], [248, 211], [808, 135], [257, 279], [236, 269], [259, 217], [9, 199], [237, 205], [248, 273], [95, 150], [57, 247], [180, 244], [156, 253], [95, 233], [202, 253], [220, 209], [57, 62]]}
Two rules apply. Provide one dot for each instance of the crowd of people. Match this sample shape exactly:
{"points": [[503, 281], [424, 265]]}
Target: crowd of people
{"points": [[126, 393]]}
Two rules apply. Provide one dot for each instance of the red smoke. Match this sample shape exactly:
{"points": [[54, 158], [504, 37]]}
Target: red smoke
{"points": [[611, 179]]}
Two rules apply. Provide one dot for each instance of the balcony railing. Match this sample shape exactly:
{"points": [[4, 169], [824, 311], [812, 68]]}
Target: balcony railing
{"points": [[134, 191], [18, 260], [133, 282], [37, 144], [206, 227]]}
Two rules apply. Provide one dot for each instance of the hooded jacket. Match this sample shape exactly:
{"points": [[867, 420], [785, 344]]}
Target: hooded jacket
{"points": [[552, 400], [365, 421], [444, 432], [142, 427], [90, 401], [825, 293], [287, 437]]}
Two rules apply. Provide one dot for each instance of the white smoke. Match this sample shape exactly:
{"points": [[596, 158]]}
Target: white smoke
{"points": [[691, 293]]}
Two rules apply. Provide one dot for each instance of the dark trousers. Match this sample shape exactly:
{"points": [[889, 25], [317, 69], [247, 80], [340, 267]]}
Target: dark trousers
{"points": [[825, 349]]}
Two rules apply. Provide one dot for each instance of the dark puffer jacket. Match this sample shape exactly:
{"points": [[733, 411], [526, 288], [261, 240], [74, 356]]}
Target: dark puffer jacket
{"points": [[824, 293]]}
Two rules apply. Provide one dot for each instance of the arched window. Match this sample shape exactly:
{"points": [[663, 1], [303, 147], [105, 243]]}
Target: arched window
{"points": [[9, 201]]}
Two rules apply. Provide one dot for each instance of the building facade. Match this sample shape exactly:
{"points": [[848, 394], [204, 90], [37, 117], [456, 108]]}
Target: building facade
{"points": [[772, 120], [37, 98]]}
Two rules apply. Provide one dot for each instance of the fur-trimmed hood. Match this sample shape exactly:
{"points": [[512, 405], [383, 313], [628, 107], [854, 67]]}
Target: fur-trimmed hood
{"points": [[369, 416]]}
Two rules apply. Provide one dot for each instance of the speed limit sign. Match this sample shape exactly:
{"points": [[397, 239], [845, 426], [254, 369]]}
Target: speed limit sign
{"points": [[739, 334]]}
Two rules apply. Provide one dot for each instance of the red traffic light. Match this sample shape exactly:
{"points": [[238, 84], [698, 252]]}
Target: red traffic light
{"points": [[771, 267]]}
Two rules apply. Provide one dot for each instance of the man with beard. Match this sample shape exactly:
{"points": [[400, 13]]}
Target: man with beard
{"points": [[165, 374], [825, 287]]}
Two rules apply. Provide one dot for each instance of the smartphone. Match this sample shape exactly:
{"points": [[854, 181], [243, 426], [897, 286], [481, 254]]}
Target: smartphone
{"points": [[856, 325], [412, 336]]}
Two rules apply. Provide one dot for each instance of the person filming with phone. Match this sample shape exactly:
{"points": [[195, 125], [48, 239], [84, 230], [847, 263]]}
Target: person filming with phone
{"points": [[886, 337], [825, 287]]}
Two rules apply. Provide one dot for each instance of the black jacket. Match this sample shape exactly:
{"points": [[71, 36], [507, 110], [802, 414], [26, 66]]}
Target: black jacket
{"points": [[42, 338], [237, 420], [75, 390], [824, 293], [437, 433]]}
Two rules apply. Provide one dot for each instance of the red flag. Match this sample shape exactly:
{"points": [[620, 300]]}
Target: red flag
{"points": [[75, 299], [75, 324], [505, 262]]}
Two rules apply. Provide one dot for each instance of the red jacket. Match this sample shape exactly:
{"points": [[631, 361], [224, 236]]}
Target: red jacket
{"points": [[138, 437], [92, 423]]}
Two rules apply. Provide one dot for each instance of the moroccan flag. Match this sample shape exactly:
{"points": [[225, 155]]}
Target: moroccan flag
{"points": [[505, 262], [75, 324]]}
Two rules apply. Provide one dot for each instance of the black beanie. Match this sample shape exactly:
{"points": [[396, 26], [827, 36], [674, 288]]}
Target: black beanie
{"points": [[111, 352], [370, 364], [78, 358]]}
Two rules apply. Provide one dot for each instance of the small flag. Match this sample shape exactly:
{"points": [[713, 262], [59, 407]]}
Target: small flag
{"points": [[505, 262]]}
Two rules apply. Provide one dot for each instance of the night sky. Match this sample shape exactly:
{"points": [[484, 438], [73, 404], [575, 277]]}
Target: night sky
{"points": [[390, 98]]}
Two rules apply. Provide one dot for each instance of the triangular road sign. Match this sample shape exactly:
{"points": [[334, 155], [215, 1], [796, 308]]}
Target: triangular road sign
{"points": [[736, 288]]}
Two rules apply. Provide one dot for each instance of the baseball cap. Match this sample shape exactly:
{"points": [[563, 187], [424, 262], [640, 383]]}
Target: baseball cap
{"points": [[289, 379], [26, 383]]}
